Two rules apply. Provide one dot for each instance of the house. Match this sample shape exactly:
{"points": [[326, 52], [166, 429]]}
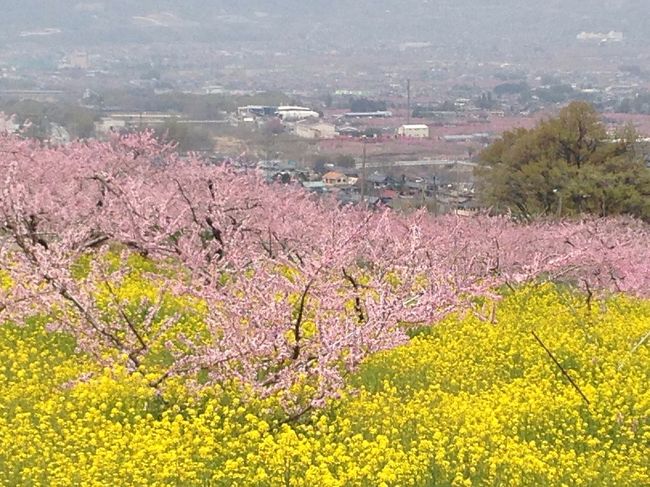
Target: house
{"points": [[274, 170], [414, 187], [387, 195], [415, 130], [378, 180], [334, 178]]}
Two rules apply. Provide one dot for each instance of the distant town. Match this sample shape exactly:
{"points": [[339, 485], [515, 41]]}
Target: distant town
{"points": [[401, 124]]}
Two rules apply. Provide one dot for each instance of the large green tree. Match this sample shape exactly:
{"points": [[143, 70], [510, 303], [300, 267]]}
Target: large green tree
{"points": [[566, 166]]}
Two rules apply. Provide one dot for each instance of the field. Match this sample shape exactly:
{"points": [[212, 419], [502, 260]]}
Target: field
{"points": [[467, 402], [168, 322]]}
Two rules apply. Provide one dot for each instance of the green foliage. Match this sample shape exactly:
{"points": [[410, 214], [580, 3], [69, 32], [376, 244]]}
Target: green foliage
{"points": [[79, 121], [556, 93], [638, 104], [194, 106], [187, 137], [566, 166], [513, 88], [366, 105]]}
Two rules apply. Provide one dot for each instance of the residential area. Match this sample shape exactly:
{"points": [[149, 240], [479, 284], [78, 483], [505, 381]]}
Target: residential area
{"points": [[401, 123]]}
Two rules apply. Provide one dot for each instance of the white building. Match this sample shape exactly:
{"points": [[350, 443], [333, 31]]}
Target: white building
{"points": [[601, 37], [256, 111], [292, 113], [416, 130]]}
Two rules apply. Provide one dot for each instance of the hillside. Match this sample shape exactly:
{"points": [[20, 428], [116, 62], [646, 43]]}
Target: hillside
{"points": [[339, 23]]}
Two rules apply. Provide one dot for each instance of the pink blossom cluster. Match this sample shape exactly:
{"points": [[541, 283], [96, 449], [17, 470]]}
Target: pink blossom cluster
{"points": [[295, 289]]}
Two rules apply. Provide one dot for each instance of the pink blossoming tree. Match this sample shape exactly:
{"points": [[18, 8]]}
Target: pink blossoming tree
{"points": [[253, 282]]}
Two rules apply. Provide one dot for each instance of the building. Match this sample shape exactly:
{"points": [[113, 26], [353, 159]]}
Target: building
{"points": [[256, 111], [315, 130], [378, 180], [334, 178], [315, 186], [76, 60], [601, 37], [293, 113], [377, 114], [417, 130]]}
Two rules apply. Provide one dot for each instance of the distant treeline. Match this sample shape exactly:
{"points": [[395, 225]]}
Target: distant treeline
{"points": [[637, 104]]}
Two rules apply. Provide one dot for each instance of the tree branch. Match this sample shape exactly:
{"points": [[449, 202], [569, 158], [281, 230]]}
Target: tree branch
{"points": [[298, 323], [357, 299], [562, 369], [126, 317]]}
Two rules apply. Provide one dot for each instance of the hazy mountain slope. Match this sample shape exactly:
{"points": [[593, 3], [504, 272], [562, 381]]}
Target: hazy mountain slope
{"points": [[330, 22]]}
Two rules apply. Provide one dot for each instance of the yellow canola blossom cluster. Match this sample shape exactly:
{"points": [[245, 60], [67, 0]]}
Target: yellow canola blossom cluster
{"points": [[470, 401]]}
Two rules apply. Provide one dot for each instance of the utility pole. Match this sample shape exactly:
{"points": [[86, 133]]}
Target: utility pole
{"points": [[363, 172], [435, 195], [558, 193], [422, 191], [408, 102]]}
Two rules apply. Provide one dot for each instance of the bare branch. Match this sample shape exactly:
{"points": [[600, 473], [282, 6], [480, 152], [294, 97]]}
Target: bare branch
{"points": [[357, 299], [562, 369], [298, 323]]}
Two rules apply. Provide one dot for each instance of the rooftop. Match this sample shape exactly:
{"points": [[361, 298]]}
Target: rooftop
{"points": [[415, 126]]}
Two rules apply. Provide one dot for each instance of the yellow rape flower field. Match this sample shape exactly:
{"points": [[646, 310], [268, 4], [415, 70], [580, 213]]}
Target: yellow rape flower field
{"points": [[470, 401]]}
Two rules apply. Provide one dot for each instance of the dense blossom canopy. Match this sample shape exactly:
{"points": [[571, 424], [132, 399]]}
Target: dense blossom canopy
{"points": [[175, 267]]}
